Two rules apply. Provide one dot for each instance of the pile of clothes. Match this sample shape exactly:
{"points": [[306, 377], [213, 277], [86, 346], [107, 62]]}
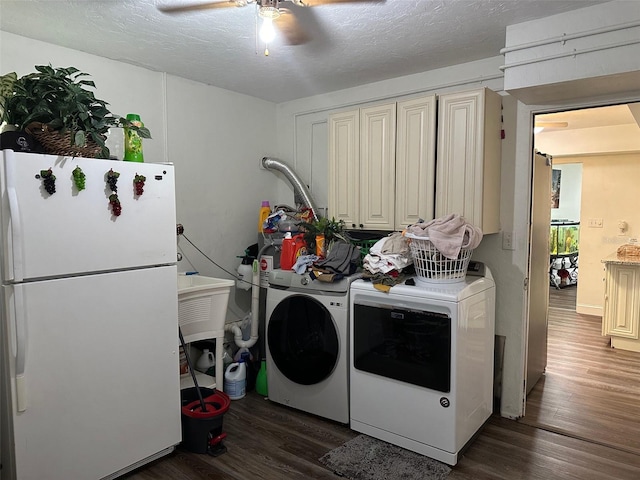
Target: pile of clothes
{"points": [[341, 260], [388, 262]]}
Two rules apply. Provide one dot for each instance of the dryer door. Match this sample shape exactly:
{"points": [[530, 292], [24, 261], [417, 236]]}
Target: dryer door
{"points": [[303, 340]]}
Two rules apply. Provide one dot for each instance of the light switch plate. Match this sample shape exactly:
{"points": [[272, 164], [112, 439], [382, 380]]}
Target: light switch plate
{"points": [[595, 222]]}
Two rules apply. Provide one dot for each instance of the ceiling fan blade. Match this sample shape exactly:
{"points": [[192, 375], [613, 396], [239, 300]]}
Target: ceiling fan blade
{"points": [[293, 33], [315, 3], [192, 7]]}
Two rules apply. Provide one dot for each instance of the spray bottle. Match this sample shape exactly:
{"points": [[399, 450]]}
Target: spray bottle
{"points": [[245, 271]]}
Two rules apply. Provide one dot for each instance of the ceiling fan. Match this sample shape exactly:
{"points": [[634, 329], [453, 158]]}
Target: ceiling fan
{"points": [[271, 12]]}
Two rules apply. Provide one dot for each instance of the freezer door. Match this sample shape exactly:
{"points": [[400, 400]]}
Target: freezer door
{"points": [[100, 384], [74, 231]]}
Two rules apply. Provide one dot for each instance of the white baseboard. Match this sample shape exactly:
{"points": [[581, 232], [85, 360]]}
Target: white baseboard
{"points": [[589, 309]]}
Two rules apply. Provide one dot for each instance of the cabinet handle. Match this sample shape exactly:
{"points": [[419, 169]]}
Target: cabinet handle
{"points": [[361, 226]]}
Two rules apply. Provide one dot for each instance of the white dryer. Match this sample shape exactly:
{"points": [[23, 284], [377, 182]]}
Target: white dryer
{"points": [[307, 343], [422, 363]]}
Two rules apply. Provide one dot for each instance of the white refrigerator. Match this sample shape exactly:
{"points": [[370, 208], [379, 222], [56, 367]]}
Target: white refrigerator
{"points": [[89, 332]]}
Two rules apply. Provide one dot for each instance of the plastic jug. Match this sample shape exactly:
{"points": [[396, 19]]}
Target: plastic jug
{"points": [[235, 380], [265, 211], [132, 140], [206, 361], [292, 248], [261, 379]]}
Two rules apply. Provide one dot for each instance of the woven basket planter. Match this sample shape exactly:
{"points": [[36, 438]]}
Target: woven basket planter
{"points": [[56, 143]]}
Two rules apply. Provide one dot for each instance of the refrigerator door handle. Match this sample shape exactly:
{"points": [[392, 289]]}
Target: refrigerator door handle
{"points": [[15, 238], [21, 347]]}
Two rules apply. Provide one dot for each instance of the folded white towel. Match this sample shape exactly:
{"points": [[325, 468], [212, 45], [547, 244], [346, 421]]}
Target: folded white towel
{"points": [[449, 234]]}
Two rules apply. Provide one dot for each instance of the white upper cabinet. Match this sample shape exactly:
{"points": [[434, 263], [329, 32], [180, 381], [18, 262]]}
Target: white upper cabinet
{"points": [[377, 167], [382, 164], [385, 173], [344, 167], [469, 157], [415, 161]]}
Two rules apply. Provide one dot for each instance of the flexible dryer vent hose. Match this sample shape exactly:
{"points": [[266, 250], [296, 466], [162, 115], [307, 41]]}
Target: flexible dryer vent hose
{"points": [[301, 194]]}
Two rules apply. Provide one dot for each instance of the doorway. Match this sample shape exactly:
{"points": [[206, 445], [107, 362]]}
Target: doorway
{"points": [[589, 390]]}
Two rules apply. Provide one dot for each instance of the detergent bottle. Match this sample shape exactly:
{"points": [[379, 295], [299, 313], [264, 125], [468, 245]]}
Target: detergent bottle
{"points": [[206, 361], [132, 140], [265, 211], [287, 256], [235, 378]]}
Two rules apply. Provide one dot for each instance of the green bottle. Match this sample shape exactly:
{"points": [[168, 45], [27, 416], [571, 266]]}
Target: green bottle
{"points": [[261, 379], [132, 141]]}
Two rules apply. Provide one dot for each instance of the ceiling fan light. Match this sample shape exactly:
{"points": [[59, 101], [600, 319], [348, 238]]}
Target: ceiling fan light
{"points": [[269, 12], [267, 31]]}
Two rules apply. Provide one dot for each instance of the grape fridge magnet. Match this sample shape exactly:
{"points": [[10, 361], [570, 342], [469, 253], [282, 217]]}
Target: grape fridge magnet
{"points": [[112, 180], [138, 184], [78, 178], [114, 201], [48, 181]]}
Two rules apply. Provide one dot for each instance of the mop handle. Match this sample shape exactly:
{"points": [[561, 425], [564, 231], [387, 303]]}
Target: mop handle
{"points": [[193, 374]]}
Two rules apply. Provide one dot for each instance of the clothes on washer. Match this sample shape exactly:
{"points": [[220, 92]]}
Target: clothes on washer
{"points": [[342, 258], [303, 262], [395, 243], [324, 276], [387, 254]]}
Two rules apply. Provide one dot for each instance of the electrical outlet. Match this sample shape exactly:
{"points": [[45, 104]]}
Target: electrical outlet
{"points": [[508, 240]]}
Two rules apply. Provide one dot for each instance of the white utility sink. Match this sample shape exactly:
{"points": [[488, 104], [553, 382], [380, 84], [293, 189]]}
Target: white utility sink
{"points": [[194, 283], [202, 310]]}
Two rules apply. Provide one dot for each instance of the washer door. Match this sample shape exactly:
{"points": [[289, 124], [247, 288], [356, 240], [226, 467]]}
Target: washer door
{"points": [[303, 340]]}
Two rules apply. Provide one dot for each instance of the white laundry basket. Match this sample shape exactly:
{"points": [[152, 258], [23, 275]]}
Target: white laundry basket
{"points": [[433, 267]]}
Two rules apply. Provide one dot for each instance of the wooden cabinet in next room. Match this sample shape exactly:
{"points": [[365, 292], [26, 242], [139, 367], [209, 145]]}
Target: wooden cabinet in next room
{"points": [[621, 319]]}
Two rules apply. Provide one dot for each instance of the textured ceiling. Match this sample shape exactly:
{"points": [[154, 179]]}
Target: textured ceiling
{"points": [[351, 43]]}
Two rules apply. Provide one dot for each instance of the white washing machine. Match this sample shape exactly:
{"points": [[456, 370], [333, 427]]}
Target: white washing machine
{"points": [[307, 341], [421, 363]]}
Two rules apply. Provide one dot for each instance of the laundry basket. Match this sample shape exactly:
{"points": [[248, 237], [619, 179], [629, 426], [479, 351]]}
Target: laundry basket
{"points": [[433, 267]]}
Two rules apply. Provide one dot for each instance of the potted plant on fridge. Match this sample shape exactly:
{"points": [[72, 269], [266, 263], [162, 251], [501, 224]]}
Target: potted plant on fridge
{"points": [[56, 107]]}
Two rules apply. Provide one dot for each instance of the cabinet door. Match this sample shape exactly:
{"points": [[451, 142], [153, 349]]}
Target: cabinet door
{"points": [[415, 161], [468, 159], [622, 301], [344, 161], [377, 166]]}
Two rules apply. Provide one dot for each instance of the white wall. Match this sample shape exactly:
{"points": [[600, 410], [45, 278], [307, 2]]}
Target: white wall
{"points": [[570, 191], [610, 193], [214, 137]]}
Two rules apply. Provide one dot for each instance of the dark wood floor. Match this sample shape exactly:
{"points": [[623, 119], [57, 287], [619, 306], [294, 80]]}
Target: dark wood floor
{"points": [[589, 392]]}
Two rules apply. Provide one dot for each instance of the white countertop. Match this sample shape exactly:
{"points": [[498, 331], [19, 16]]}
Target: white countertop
{"points": [[621, 260]]}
